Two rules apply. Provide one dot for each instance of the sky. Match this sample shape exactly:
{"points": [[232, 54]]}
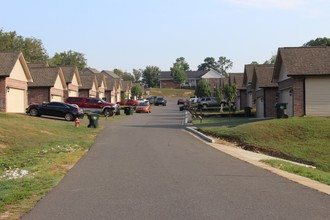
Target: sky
{"points": [[134, 34]]}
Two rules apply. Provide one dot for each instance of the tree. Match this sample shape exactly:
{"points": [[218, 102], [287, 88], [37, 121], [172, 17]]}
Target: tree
{"points": [[203, 89], [137, 75], [32, 48], [271, 60], [218, 94], [178, 71], [224, 64], [230, 92], [320, 41], [209, 63], [136, 90], [124, 75], [150, 76], [70, 58]]}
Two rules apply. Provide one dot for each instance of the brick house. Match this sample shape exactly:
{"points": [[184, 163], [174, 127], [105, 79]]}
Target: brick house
{"points": [[14, 78], [265, 91], [193, 77], [48, 85], [73, 81], [303, 77]]}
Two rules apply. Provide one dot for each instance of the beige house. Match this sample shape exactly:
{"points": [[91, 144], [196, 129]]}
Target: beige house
{"points": [[48, 85], [101, 82], [14, 78], [73, 81], [89, 87], [117, 92], [303, 76]]}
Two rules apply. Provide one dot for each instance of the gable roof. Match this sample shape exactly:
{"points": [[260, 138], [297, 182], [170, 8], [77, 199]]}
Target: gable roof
{"points": [[303, 61], [87, 81], [110, 74], [262, 76], [69, 72], [238, 80], [8, 61], [248, 73], [46, 76], [90, 70]]}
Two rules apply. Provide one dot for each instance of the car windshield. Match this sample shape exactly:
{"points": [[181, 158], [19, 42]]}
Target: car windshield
{"points": [[143, 104]]}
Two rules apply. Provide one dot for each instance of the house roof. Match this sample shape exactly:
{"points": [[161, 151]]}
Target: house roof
{"points": [[236, 79], [166, 75], [302, 61], [110, 74], [224, 81], [262, 76], [248, 73], [46, 76], [69, 72], [90, 70], [8, 61], [111, 83], [87, 81]]}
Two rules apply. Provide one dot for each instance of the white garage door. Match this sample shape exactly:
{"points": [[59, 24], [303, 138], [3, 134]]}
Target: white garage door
{"points": [[16, 100], [285, 97], [317, 96], [260, 108], [56, 98]]}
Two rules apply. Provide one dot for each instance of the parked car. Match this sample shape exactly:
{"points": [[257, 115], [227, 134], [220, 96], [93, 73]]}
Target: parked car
{"points": [[56, 109], [128, 102], [91, 104], [160, 101], [152, 99], [144, 107], [139, 100], [209, 102], [182, 101]]}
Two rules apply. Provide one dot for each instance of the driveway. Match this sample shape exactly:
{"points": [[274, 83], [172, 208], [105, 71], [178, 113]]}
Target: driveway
{"points": [[148, 167]]}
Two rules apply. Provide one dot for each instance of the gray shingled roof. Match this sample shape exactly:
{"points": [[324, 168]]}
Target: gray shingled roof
{"points": [[166, 75], [7, 62], [110, 74], [44, 76], [68, 72], [303, 61], [87, 81], [263, 76]]}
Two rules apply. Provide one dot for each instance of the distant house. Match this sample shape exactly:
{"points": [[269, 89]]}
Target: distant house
{"points": [[101, 82], [89, 87], [48, 85], [193, 77], [265, 91], [247, 83], [303, 77], [114, 86], [14, 78], [73, 81]]}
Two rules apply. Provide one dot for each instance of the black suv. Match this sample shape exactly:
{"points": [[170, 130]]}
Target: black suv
{"points": [[160, 101]]}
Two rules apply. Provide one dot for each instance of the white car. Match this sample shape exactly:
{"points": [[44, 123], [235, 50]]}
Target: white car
{"points": [[140, 100]]}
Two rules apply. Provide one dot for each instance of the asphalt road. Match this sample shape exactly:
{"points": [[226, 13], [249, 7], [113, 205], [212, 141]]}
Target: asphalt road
{"points": [[148, 167]]}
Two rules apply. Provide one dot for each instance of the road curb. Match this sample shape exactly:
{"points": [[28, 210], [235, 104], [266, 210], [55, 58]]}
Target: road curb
{"points": [[199, 134]]}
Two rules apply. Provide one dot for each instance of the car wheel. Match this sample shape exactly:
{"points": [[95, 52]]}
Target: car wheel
{"points": [[34, 112], [68, 117], [108, 112]]}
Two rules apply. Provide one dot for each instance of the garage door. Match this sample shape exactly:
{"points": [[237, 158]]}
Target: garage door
{"points": [[56, 98], [317, 96], [260, 108], [285, 97], [16, 100]]}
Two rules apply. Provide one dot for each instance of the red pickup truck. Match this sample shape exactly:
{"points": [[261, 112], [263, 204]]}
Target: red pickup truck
{"points": [[91, 104]]}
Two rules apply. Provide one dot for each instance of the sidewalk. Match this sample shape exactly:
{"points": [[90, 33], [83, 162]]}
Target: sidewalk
{"points": [[255, 159]]}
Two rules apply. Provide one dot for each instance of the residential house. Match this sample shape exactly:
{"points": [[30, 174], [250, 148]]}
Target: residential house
{"points": [[73, 81], [303, 77], [14, 78], [114, 86], [193, 77], [247, 81], [265, 91], [101, 82], [48, 85], [89, 86], [126, 89]]}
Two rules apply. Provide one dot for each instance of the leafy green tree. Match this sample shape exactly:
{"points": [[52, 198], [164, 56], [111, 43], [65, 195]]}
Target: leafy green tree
{"points": [[320, 41], [271, 60], [181, 63], [136, 90], [230, 92], [70, 58], [218, 94], [137, 75], [32, 48], [124, 75], [224, 65], [178, 74], [209, 63], [203, 89], [150, 76]]}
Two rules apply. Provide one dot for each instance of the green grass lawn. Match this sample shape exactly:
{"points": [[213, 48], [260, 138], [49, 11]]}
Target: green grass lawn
{"points": [[304, 139], [35, 153]]}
